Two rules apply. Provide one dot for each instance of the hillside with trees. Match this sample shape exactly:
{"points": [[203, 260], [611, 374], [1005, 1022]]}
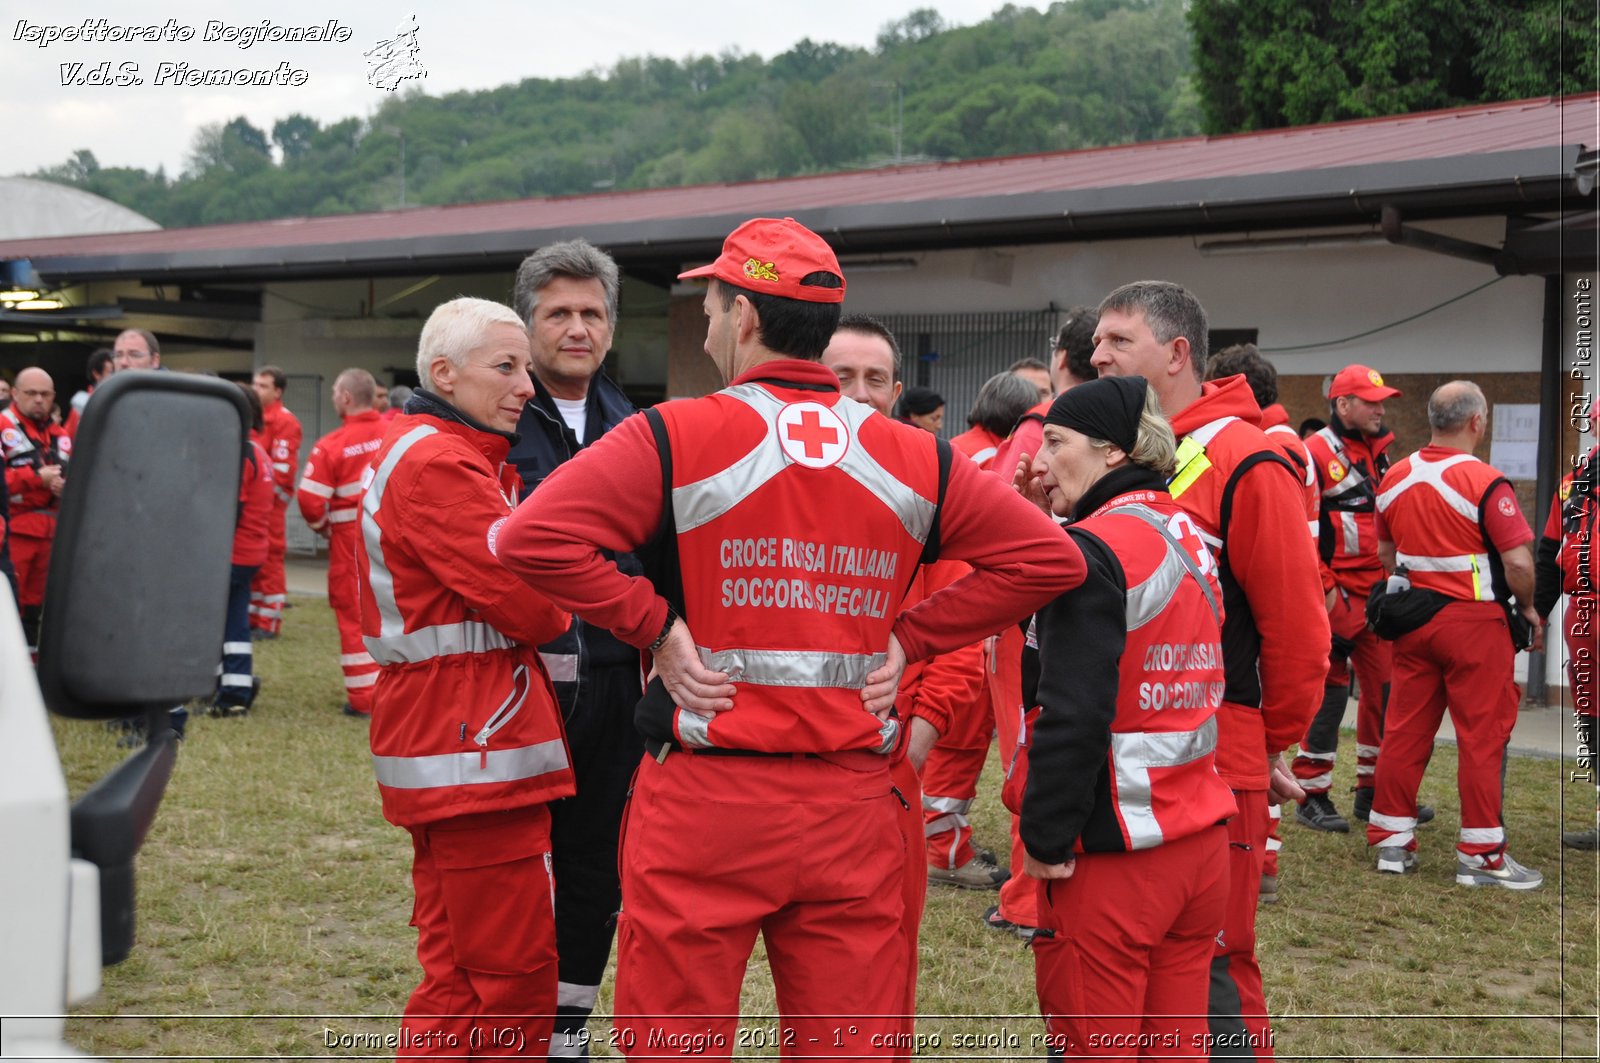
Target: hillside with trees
{"points": [[1082, 73]]}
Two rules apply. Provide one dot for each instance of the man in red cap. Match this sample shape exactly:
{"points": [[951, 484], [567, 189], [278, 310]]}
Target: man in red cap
{"points": [[780, 526], [1350, 456]]}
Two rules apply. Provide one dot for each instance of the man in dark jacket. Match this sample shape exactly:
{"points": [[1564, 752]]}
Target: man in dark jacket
{"points": [[566, 293]]}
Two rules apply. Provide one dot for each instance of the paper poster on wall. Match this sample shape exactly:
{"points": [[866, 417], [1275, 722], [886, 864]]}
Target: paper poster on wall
{"points": [[1514, 445]]}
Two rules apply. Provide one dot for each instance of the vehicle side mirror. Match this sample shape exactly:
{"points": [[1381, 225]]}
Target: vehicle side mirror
{"points": [[137, 591]]}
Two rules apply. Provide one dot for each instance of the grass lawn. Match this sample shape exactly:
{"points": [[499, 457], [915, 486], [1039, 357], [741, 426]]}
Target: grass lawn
{"points": [[274, 900]]}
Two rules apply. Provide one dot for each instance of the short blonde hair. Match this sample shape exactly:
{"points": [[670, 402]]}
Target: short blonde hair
{"points": [[457, 327]]}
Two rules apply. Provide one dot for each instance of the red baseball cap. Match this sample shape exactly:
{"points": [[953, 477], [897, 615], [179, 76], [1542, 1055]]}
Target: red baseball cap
{"points": [[1361, 381], [770, 256]]}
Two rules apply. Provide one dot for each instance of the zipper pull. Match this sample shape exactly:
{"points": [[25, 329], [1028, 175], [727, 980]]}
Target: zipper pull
{"points": [[462, 737], [898, 796], [483, 753]]}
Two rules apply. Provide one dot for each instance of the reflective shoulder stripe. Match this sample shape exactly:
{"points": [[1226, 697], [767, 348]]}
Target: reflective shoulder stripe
{"points": [[793, 668], [1134, 755], [440, 640], [379, 578], [473, 768], [986, 454], [701, 502], [1432, 473], [1147, 599], [312, 487]]}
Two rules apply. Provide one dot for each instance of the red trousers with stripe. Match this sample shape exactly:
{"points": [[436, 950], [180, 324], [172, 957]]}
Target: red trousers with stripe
{"points": [[913, 888], [1238, 1004], [1019, 900], [344, 595], [486, 937], [1372, 663], [1460, 662], [806, 852], [950, 781], [269, 589], [1125, 973]]}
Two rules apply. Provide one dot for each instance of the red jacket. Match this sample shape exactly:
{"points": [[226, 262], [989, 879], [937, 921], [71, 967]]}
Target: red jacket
{"points": [[255, 508], [1432, 507], [1123, 754], [1349, 467], [1275, 635], [280, 437], [936, 687], [609, 497], [330, 487], [1275, 423], [464, 719], [26, 447], [979, 444], [1026, 438]]}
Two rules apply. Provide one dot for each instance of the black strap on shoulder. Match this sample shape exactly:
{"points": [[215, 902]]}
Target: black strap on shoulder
{"points": [[1250, 462], [1497, 567], [659, 555], [930, 549]]}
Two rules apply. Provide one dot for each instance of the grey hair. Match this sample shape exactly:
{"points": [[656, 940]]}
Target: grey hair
{"points": [[1001, 402], [398, 395], [456, 327], [1453, 404], [359, 385], [1170, 310], [578, 259]]}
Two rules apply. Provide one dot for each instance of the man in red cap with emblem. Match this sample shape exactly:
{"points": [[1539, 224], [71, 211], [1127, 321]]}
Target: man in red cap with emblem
{"points": [[1350, 456], [780, 525]]}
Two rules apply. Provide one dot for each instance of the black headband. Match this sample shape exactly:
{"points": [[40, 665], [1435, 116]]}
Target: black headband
{"points": [[1108, 408]]}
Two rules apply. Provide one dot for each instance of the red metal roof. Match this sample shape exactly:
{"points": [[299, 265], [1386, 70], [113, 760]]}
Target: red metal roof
{"points": [[1526, 124]]}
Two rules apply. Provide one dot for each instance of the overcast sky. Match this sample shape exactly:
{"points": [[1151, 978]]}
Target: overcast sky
{"points": [[464, 44]]}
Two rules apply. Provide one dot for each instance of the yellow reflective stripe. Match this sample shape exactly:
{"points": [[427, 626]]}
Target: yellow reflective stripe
{"points": [[1192, 462]]}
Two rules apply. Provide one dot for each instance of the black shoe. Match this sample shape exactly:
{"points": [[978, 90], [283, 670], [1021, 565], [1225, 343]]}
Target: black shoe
{"points": [[1362, 807], [995, 921], [1586, 840], [1318, 813], [351, 710]]}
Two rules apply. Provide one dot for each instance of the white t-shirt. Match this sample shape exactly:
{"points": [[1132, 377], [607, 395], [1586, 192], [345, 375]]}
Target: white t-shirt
{"points": [[575, 412]]}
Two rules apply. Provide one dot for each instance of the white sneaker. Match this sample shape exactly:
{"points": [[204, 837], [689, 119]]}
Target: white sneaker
{"points": [[1509, 873], [1396, 859]]}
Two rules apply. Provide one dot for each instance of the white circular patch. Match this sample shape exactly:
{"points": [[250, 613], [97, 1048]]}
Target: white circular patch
{"points": [[494, 534], [812, 435]]}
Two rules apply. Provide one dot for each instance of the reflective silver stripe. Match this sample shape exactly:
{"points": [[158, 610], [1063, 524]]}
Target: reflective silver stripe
{"points": [[1366, 751], [1482, 835], [349, 490], [793, 668], [312, 487], [1208, 431], [693, 730], [1318, 782], [563, 667], [959, 805], [1306, 754], [1133, 754], [441, 640], [1454, 563], [281, 466], [1350, 532], [569, 995], [470, 768], [934, 827], [237, 679], [381, 580], [1432, 474], [355, 682], [986, 454], [1147, 599], [356, 658], [1383, 822], [236, 649], [342, 516], [888, 735], [705, 500]]}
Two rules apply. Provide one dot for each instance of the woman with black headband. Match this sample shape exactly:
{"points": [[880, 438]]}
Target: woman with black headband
{"points": [[1122, 812]]}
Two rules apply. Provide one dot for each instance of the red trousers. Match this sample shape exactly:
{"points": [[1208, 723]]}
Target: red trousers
{"points": [[1238, 1004], [1583, 653], [913, 889], [950, 781], [1372, 663], [30, 556], [1019, 900], [1125, 973], [360, 670], [807, 852], [486, 937], [269, 590], [1461, 662], [1269, 859]]}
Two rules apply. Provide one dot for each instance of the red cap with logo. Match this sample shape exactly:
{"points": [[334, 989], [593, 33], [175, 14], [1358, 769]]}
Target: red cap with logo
{"points": [[771, 257], [1361, 381]]}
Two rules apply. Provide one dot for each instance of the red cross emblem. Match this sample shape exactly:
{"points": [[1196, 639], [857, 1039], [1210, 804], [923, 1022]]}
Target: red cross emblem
{"points": [[811, 434]]}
